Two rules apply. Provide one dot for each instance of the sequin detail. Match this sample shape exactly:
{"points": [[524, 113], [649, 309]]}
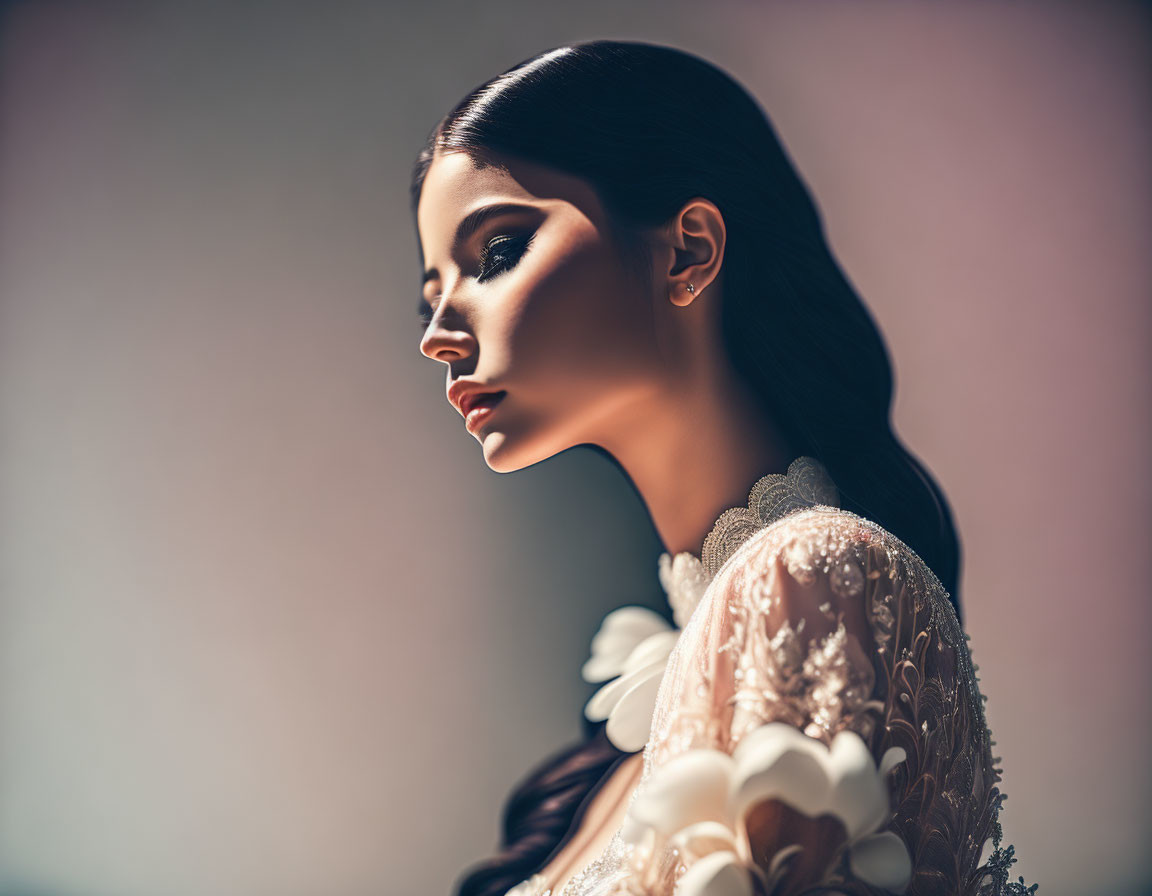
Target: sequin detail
{"points": [[880, 653]]}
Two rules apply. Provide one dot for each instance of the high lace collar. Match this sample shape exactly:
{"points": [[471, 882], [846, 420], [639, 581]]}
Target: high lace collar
{"points": [[686, 576], [633, 643]]}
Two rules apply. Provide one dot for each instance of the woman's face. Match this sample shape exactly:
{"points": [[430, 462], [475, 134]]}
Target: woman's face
{"points": [[535, 303]]}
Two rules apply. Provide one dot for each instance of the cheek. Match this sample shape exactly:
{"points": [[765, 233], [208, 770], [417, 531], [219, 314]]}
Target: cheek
{"points": [[578, 328]]}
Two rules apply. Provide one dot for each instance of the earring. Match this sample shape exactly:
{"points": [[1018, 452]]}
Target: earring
{"points": [[679, 299]]}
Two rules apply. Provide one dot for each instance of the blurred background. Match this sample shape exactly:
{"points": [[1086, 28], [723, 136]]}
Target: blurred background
{"points": [[270, 626]]}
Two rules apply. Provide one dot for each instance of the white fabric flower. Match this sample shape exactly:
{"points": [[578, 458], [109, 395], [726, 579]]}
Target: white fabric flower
{"points": [[633, 643], [632, 646], [698, 801], [619, 634]]}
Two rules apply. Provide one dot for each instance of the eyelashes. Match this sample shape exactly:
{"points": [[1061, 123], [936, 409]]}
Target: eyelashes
{"points": [[499, 255], [507, 250]]}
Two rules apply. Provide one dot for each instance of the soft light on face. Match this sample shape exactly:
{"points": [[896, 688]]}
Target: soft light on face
{"points": [[536, 302]]}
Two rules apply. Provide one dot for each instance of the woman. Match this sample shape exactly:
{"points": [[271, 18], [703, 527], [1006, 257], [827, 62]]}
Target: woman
{"points": [[619, 254]]}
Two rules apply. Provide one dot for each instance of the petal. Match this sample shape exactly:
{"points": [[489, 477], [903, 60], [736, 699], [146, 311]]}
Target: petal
{"points": [[705, 837], [892, 757], [619, 634], [859, 796], [630, 721], [601, 704], [779, 761], [882, 860], [654, 647], [687, 789], [773, 737], [602, 666], [718, 874], [632, 622]]}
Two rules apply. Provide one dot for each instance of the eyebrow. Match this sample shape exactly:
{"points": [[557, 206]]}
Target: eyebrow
{"points": [[472, 222]]}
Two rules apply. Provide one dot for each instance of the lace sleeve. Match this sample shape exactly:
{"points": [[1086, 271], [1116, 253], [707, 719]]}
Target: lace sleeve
{"points": [[819, 725]]}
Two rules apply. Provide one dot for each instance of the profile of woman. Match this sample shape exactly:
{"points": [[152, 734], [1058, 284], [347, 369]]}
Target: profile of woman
{"points": [[618, 253]]}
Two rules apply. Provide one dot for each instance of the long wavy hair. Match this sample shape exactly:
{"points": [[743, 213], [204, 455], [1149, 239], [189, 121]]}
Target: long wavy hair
{"points": [[650, 127]]}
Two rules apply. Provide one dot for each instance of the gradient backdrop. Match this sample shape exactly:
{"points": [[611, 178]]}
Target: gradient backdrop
{"points": [[270, 625]]}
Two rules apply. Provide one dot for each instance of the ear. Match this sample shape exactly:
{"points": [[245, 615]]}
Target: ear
{"points": [[697, 235]]}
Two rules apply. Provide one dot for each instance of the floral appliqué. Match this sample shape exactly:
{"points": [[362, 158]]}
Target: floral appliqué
{"points": [[710, 807], [632, 647]]}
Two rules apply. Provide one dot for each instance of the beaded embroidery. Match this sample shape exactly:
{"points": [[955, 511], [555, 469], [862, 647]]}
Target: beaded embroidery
{"points": [[917, 689]]}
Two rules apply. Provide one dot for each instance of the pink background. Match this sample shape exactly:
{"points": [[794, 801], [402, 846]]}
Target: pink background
{"points": [[271, 626]]}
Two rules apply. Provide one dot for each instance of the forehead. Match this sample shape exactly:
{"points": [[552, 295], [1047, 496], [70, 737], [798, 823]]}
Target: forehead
{"points": [[454, 186]]}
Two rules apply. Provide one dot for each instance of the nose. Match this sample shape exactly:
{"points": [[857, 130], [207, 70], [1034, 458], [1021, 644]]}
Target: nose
{"points": [[446, 343]]}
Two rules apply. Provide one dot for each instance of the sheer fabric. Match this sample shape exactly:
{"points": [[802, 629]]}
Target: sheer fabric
{"points": [[817, 726]]}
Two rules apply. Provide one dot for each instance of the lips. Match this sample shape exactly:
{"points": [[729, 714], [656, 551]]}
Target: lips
{"points": [[480, 400]]}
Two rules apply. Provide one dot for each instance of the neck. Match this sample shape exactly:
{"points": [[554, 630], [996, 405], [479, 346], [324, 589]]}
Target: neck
{"points": [[694, 453]]}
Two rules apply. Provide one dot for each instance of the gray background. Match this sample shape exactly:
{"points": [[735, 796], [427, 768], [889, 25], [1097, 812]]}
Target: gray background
{"points": [[271, 626]]}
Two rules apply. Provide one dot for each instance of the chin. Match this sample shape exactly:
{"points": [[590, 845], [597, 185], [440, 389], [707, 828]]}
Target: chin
{"points": [[504, 454]]}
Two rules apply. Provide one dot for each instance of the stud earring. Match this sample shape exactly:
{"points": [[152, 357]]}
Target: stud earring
{"points": [[679, 299]]}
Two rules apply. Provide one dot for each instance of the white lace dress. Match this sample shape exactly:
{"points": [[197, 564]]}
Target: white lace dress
{"points": [[813, 723]]}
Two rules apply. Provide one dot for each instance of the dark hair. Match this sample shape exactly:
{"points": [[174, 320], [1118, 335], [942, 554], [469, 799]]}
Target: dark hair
{"points": [[650, 127]]}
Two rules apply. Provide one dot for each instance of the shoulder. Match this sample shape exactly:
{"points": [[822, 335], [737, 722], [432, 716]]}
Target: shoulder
{"points": [[806, 543], [828, 551]]}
